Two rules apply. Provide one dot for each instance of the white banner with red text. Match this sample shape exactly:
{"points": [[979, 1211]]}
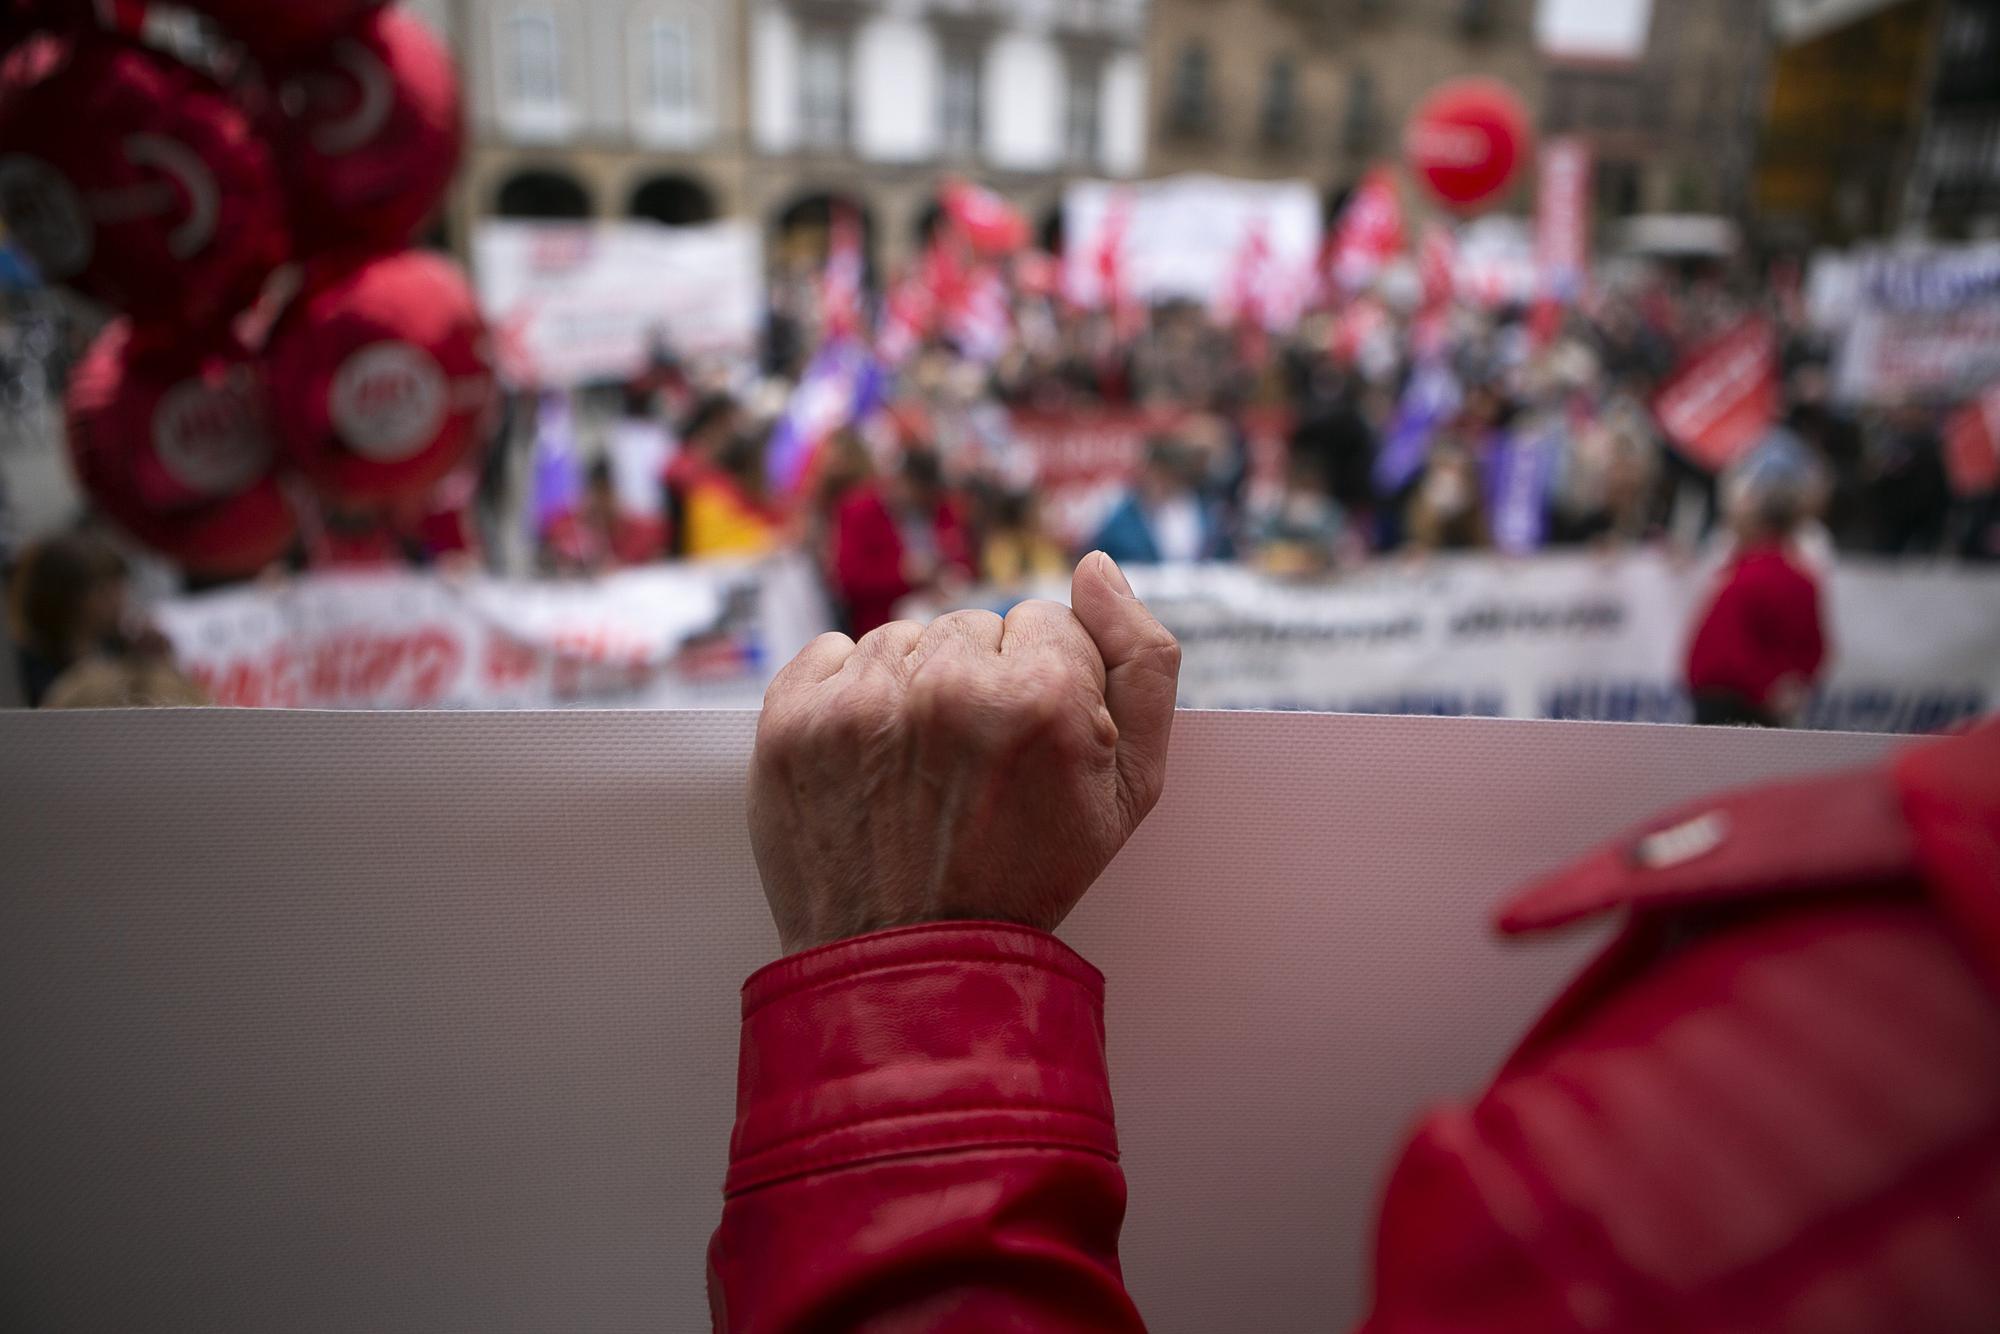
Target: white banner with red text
{"points": [[1915, 648], [572, 303]]}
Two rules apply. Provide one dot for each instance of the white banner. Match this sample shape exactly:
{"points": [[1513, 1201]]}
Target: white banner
{"points": [[572, 303], [1919, 321], [680, 636], [1184, 237], [1915, 649], [1571, 637]]}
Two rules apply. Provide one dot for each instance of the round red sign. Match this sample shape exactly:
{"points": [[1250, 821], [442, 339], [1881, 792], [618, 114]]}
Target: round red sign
{"points": [[1467, 141]]}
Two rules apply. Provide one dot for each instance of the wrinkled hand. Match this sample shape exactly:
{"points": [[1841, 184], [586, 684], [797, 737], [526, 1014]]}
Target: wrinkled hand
{"points": [[972, 769]]}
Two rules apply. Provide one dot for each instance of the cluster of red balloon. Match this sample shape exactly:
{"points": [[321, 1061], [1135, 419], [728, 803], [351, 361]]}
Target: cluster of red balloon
{"points": [[250, 221]]}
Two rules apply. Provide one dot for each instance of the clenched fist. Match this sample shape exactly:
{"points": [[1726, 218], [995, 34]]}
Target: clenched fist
{"points": [[972, 769]]}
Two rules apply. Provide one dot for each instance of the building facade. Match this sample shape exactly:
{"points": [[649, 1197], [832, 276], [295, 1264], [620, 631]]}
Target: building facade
{"points": [[870, 101], [1317, 90], [686, 110], [1673, 126]]}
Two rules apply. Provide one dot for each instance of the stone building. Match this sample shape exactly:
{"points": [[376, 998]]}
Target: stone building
{"points": [[1317, 89], [684, 110]]}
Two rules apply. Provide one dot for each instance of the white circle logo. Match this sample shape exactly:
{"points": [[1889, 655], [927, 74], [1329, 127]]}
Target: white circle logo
{"points": [[389, 401], [41, 207], [210, 437]]}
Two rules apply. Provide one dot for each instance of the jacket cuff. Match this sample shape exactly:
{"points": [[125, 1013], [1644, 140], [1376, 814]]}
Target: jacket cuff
{"points": [[926, 1039]]}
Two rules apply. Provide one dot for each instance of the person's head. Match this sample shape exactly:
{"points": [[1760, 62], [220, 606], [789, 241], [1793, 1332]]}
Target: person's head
{"points": [[67, 595], [710, 424], [1772, 490], [1172, 469], [740, 455], [919, 480], [600, 488]]}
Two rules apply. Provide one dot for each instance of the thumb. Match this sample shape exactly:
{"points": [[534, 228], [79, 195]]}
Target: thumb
{"points": [[1142, 672]]}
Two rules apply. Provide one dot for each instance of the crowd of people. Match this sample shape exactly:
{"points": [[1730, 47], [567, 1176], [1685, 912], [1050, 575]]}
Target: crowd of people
{"points": [[1361, 432], [1371, 427]]}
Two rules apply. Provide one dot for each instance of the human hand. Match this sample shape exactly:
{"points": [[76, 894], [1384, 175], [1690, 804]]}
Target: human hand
{"points": [[972, 769]]}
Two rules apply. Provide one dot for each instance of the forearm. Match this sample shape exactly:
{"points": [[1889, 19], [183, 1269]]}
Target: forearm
{"points": [[924, 1137]]}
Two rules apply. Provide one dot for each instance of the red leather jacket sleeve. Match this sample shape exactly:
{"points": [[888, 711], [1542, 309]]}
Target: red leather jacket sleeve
{"points": [[923, 1140]]}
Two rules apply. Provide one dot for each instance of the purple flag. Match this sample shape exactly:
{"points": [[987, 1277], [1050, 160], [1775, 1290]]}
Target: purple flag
{"points": [[1429, 402]]}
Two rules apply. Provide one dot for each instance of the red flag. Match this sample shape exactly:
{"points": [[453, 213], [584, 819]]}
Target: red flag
{"points": [[1113, 288], [1370, 232], [989, 222], [1247, 302], [1724, 396], [840, 284], [908, 315], [1972, 446], [1562, 233]]}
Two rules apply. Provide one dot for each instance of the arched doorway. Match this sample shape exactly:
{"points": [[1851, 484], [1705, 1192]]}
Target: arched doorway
{"points": [[676, 201], [1049, 235], [803, 229], [540, 193]]}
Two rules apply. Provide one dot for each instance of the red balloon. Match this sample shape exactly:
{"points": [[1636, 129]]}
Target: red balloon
{"points": [[382, 377], [1468, 141], [283, 29], [371, 133], [170, 437], [135, 180]]}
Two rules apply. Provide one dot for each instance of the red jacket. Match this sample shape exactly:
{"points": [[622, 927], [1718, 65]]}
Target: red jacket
{"points": [[868, 553], [1762, 627], [1773, 1105]]}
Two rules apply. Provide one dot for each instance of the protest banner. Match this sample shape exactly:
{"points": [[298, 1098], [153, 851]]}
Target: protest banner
{"points": [[1724, 396], [1182, 238], [1912, 322], [1577, 637], [573, 303], [682, 636]]}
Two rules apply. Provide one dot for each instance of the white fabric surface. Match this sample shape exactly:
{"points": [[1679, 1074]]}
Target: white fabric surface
{"points": [[427, 1022]]}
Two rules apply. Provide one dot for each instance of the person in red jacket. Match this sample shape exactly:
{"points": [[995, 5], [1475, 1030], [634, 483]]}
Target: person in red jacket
{"points": [[895, 537], [1773, 1104], [1760, 644]]}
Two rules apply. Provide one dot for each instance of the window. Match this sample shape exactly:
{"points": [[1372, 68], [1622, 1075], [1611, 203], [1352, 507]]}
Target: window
{"points": [[823, 91], [534, 59], [958, 102], [1080, 115], [1190, 109], [532, 100], [1279, 121], [672, 57]]}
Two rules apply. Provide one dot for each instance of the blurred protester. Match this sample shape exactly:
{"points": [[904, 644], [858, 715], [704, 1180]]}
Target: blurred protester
{"points": [[1446, 512], [1164, 516], [1301, 534], [125, 682], [1909, 494], [1016, 552], [1609, 486], [74, 626], [714, 420], [902, 534], [725, 509], [599, 535], [1760, 645]]}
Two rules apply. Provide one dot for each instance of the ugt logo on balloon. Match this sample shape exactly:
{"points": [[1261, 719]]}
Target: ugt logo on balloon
{"points": [[389, 401]]}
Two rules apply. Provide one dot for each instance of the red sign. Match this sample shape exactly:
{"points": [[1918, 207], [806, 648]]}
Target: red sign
{"points": [[1724, 396], [1467, 141], [1562, 221], [1972, 446]]}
